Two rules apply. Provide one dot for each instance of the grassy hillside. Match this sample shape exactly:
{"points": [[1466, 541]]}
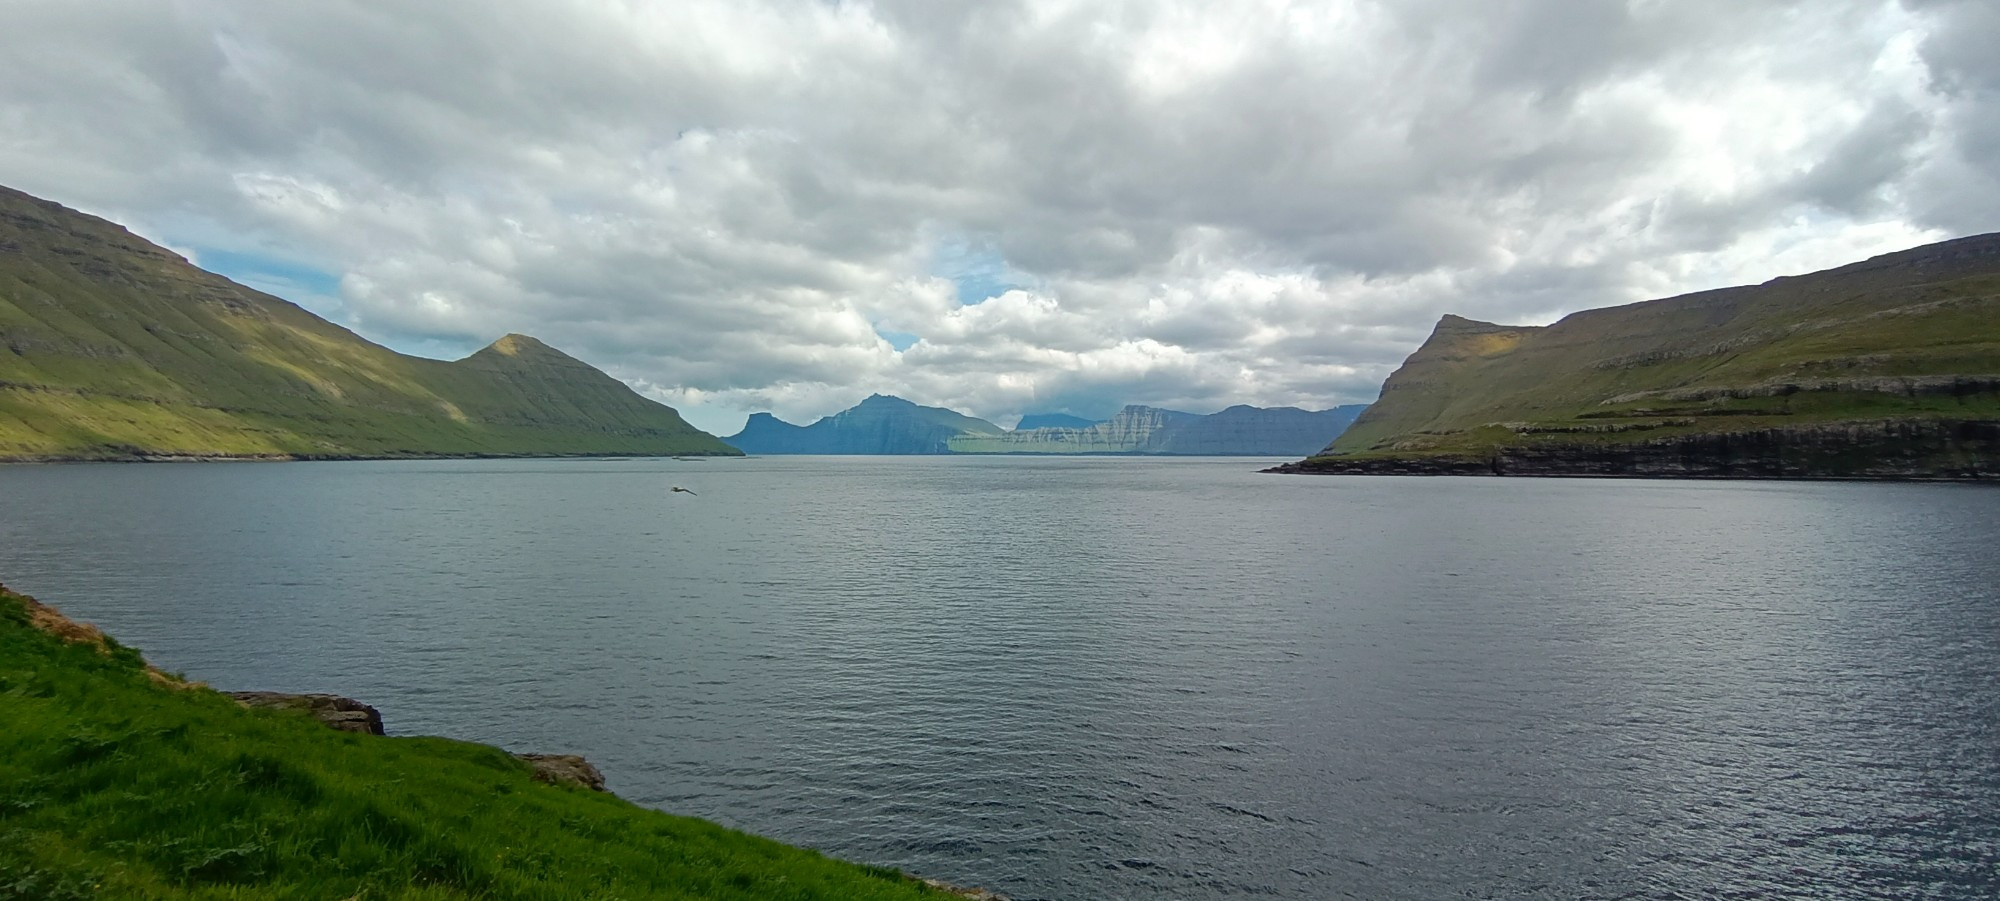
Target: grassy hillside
{"points": [[112, 347], [117, 782], [1873, 347]]}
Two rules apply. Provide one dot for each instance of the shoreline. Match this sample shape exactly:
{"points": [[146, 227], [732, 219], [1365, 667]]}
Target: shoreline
{"points": [[1463, 468], [141, 457], [277, 773], [1910, 449]]}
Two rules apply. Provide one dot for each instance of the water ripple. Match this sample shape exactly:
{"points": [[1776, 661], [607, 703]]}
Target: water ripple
{"points": [[1124, 678]]}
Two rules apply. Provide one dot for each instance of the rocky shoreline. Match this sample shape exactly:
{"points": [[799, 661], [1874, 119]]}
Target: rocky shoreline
{"points": [[1887, 450], [349, 715]]}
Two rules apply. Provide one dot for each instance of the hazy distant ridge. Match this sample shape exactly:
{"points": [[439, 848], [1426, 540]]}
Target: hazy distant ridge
{"points": [[891, 425], [878, 425]]}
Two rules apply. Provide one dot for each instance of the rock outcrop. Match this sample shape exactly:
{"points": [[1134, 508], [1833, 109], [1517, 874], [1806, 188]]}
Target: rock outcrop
{"points": [[970, 894], [342, 714], [565, 769], [349, 715]]}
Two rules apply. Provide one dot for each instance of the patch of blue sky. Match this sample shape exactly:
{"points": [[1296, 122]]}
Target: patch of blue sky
{"points": [[318, 291], [898, 340], [978, 270], [433, 348], [309, 286], [249, 267]]}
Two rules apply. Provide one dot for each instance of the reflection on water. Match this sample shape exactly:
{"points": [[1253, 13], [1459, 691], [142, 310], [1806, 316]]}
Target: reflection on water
{"points": [[1126, 678]]}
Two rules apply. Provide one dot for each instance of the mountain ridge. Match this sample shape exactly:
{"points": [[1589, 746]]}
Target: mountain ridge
{"points": [[1052, 420], [113, 348], [869, 428], [1884, 368], [879, 424]]}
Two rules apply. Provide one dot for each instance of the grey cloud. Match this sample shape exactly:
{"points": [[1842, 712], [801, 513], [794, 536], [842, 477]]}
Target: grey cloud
{"points": [[1202, 204], [1876, 154], [1957, 188]]}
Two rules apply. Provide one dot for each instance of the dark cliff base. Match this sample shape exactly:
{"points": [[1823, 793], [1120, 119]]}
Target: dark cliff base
{"points": [[1943, 450]]}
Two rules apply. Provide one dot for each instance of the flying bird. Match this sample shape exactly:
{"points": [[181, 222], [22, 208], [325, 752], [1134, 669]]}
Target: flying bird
{"points": [[684, 490]]}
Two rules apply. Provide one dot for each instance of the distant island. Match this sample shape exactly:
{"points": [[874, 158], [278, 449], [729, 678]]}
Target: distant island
{"points": [[891, 425], [113, 348], [1887, 368]]}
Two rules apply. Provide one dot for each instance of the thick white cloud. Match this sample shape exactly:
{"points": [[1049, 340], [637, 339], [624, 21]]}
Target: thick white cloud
{"points": [[739, 205]]}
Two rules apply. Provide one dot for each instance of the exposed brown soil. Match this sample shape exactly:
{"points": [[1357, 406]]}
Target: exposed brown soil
{"points": [[50, 620]]}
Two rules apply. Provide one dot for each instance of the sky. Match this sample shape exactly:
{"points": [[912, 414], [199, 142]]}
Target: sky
{"points": [[1002, 206]]}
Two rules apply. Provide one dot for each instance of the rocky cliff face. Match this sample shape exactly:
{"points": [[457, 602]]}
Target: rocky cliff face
{"points": [[878, 425], [1243, 430], [1889, 368], [763, 433], [1237, 431], [1886, 449], [1127, 432]]}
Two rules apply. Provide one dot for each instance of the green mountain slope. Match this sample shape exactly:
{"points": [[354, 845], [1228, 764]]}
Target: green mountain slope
{"points": [[114, 348], [119, 782], [1884, 368], [878, 425]]}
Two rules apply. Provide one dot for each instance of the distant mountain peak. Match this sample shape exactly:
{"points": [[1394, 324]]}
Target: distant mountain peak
{"points": [[1452, 322], [515, 344], [514, 350]]}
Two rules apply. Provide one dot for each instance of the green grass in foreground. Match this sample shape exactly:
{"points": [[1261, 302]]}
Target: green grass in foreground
{"points": [[114, 785]]}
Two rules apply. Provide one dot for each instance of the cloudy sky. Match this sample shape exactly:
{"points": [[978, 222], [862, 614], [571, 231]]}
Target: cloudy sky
{"points": [[1002, 206]]}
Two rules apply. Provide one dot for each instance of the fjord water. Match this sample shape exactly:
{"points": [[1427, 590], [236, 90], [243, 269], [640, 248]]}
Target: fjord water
{"points": [[1125, 678]]}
